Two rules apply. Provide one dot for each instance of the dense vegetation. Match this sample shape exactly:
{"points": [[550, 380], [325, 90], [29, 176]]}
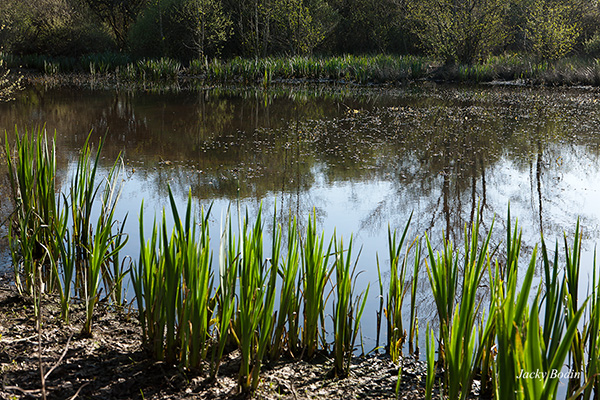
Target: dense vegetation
{"points": [[465, 31]]}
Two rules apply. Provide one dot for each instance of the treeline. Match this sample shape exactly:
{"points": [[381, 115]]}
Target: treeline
{"points": [[465, 31]]}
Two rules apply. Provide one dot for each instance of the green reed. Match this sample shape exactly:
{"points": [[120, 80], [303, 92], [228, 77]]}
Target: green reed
{"points": [[315, 274], [397, 290], [147, 281], [289, 297], [361, 69], [430, 355], [32, 171], [572, 268], [442, 271], [414, 321], [461, 334], [197, 307], [226, 293], [65, 269], [94, 246], [255, 320], [173, 287], [347, 308], [508, 309], [591, 336], [532, 358]]}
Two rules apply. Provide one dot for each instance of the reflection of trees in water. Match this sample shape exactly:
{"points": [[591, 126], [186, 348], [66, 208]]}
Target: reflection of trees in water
{"points": [[440, 148], [443, 159]]}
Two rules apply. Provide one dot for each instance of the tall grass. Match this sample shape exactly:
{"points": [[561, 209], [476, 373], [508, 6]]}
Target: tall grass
{"points": [[225, 296], [396, 334], [315, 274], [459, 330], [32, 171], [360, 69], [97, 246], [256, 301], [347, 308], [173, 284], [289, 297]]}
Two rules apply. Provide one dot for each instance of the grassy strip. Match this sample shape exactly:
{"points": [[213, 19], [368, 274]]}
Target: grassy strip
{"points": [[346, 68]]}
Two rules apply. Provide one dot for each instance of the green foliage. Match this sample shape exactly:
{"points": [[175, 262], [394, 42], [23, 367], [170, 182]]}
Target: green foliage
{"points": [[66, 254], [463, 31], [52, 27], [208, 24], [397, 289], [367, 26], [8, 84], [315, 274], [551, 28], [173, 282], [265, 27], [32, 172], [182, 29], [300, 26], [119, 15]]}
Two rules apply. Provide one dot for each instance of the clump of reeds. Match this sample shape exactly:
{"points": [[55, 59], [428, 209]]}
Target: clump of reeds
{"points": [[347, 309], [71, 254], [32, 170], [173, 282], [315, 274]]}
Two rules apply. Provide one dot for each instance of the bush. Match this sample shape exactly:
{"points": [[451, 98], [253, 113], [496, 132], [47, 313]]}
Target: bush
{"points": [[591, 47], [51, 27]]}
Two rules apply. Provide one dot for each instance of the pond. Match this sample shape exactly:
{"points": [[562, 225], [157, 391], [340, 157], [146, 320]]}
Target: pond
{"points": [[362, 158]]}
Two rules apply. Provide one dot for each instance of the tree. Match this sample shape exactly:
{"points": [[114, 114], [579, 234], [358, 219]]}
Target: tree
{"points": [[52, 27], [300, 26], [458, 30], [209, 26], [552, 29], [119, 15], [263, 27], [366, 26]]}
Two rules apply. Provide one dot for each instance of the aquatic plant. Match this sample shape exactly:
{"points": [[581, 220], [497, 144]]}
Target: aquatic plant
{"points": [[255, 318], [396, 335], [290, 298], [32, 170], [173, 283], [460, 333], [413, 319], [431, 370], [315, 274], [347, 308]]}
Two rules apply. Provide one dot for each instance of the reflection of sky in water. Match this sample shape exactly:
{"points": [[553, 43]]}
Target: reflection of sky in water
{"points": [[434, 153]]}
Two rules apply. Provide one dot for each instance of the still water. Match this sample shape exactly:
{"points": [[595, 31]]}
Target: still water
{"points": [[362, 158]]}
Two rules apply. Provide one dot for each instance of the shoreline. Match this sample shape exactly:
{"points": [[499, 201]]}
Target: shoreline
{"points": [[113, 365]]}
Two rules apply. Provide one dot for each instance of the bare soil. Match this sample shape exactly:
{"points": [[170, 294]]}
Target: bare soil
{"points": [[113, 365]]}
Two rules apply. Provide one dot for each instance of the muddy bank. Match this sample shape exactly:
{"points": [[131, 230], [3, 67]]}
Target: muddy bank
{"points": [[113, 365]]}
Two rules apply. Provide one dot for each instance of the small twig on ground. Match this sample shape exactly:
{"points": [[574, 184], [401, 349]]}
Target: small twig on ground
{"points": [[79, 390], [62, 356], [7, 341]]}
